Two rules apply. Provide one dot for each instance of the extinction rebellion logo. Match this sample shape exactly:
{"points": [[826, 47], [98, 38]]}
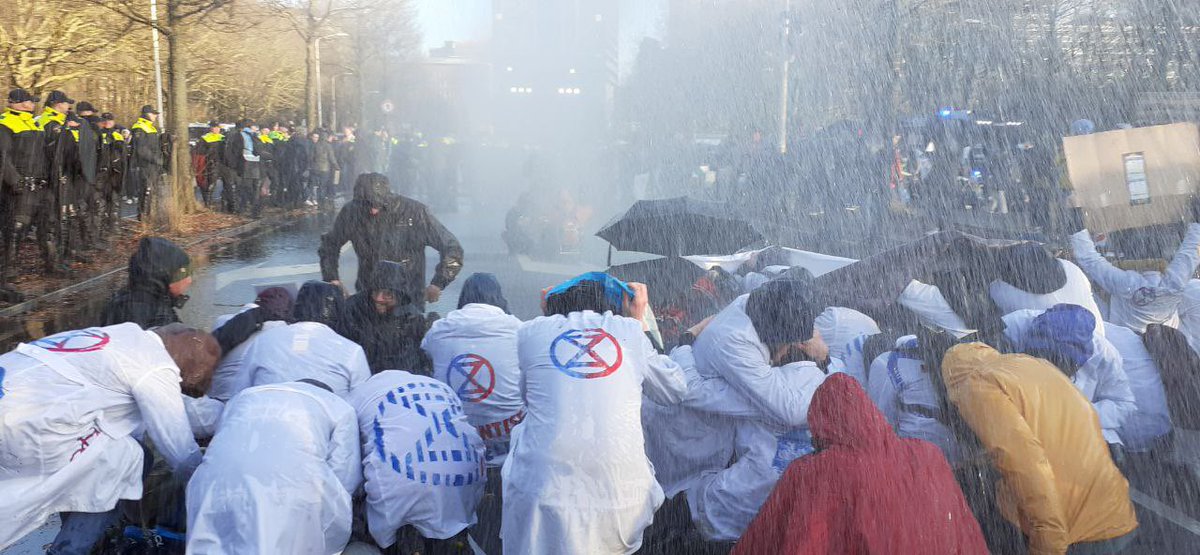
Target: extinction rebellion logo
{"points": [[586, 354]]}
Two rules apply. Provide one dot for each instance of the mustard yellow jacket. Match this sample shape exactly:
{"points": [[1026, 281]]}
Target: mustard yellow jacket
{"points": [[1058, 482]]}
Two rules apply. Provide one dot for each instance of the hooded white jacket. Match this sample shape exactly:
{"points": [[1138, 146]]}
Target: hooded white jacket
{"points": [[474, 351], [422, 460], [278, 475], [1137, 299], [844, 331], [1189, 314], [72, 408], [577, 479], [306, 350]]}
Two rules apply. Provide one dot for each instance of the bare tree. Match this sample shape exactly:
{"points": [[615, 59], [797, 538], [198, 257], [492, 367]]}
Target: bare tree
{"points": [[44, 44], [176, 196], [314, 20]]}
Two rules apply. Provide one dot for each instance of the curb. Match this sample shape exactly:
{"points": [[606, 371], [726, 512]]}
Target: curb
{"points": [[241, 232]]}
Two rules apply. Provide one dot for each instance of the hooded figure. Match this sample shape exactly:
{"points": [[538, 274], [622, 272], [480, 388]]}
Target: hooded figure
{"points": [[278, 475], [385, 226], [474, 351], [386, 323], [1058, 483], [902, 388], [864, 491], [421, 459], [577, 480], [1067, 336], [159, 275], [1137, 299]]}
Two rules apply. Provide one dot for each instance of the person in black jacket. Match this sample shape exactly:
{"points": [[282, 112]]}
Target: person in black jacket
{"points": [[147, 160], [159, 277], [386, 323], [242, 154], [28, 197], [385, 226]]}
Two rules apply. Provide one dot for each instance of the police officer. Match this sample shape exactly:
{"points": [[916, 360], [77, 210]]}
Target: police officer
{"points": [[26, 179], [113, 154], [147, 160], [87, 177], [61, 155], [208, 150]]}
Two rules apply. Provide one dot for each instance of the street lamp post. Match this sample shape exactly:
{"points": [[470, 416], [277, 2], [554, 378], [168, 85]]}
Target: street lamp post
{"points": [[333, 99], [783, 80], [317, 75], [158, 87]]}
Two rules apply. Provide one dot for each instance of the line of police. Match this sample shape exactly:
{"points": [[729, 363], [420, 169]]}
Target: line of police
{"points": [[64, 173]]}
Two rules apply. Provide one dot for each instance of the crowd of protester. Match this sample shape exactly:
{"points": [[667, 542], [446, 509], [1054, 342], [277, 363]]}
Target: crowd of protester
{"points": [[1000, 414]]}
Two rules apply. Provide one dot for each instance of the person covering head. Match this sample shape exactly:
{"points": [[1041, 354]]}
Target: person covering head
{"points": [[594, 291], [782, 311], [864, 491], [391, 280], [482, 288], [1062, 335], [320, 302], [18, 96]]}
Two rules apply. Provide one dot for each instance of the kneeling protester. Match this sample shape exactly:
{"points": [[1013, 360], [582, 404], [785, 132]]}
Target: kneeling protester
{"points": [[422, 460], [278, 475]]}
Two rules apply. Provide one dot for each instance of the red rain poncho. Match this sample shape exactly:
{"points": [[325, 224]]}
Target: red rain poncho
{"points": [[866, 491]]}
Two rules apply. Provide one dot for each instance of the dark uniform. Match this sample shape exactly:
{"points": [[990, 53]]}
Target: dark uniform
{"points": [[61, 155], [113, 154], [146, 158], [27, 191], [399, 232], [89, 202]]}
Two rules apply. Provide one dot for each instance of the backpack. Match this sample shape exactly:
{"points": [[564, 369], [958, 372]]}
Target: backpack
{"points": [[1180, 368]]}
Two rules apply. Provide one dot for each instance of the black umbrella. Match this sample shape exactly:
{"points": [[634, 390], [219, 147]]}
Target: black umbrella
{"points": [[679, 227], [666, 278]]}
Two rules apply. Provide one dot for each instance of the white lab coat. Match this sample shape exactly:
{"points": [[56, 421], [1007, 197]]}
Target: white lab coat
{"points": [[1152, 419], [1077, 291], [1189, 314], [474, 351], [905, 394], [844, 331], [422, 460], [278, 476], [931, 308], [577, 479], [1101, 379], [72, 409], [230, 377], [1137, 299], [306, 350], [725, 499]]}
